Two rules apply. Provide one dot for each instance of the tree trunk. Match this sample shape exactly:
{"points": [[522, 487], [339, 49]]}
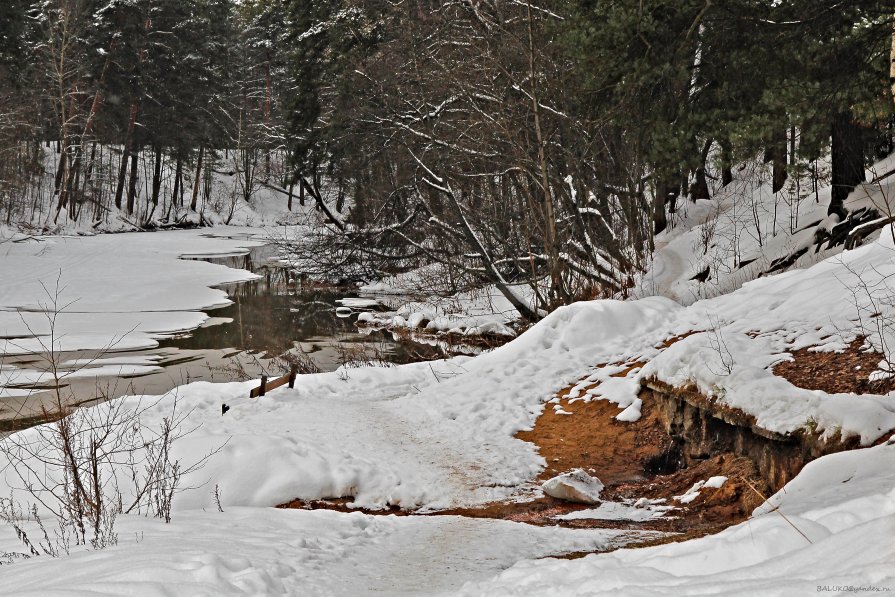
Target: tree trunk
{"points": [[196, 178], [320, 203], [777, 151], [726, 163], [206, 186], [122, 176], [340, 198], [157, 176], [667, 193], [59, 171], [65, 183], [847, 160], [73, 185], [89, 174], [551, 247], [128, 141], [700, 187], [892, 63], [132, 184], [178, 179], [660, 222]]}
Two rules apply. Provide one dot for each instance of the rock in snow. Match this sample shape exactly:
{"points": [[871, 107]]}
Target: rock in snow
{"points": [[574, 486]]}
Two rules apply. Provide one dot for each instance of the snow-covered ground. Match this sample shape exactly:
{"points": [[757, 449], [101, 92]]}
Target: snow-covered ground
{"points": [[255, 551], [36, 210], [739, 233], [438, 435], [429, 436]]}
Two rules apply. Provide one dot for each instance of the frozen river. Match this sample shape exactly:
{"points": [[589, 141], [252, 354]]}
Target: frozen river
{"points": [[141, 313]]}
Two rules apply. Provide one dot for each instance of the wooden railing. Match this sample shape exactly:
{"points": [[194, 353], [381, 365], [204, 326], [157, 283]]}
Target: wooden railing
{"points": [[266, 386]]}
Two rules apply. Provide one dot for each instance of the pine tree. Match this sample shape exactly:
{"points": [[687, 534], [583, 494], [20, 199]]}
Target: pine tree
{"points": [[13, 49], [680, 76]]}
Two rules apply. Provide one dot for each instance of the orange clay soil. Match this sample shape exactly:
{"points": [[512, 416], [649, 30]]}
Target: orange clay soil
{"points": [[591, 438], [629, 459], [836, 372]]}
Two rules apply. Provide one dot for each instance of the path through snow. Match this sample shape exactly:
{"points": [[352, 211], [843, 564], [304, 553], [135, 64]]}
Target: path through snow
{"points": [[250, 551]]}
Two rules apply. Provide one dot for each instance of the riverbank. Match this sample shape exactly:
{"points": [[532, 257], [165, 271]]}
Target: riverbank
{"points": [[472, 438], [141, 313]]}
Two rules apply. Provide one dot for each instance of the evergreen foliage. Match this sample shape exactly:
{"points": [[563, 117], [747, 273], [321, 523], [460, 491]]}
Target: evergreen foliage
{"points": [[510, 141]]}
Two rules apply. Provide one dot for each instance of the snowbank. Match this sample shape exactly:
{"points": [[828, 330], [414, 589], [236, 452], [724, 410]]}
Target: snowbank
{"points": [[744, 333]]}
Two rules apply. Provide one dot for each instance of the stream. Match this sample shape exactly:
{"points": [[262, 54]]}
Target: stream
{"points": [[269, 316]]}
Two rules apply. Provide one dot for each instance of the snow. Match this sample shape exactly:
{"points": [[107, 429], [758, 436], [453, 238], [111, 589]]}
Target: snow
{"points": [[631, 414], [481, 311], [147, 360], [715, 482], [439, 435], [691, 494], [730, 358], [620, 390], [427, 435], [736, 234], [251, 551], [267, 206], [358, 303], [12, 376], [619, 511], [574, 486]]}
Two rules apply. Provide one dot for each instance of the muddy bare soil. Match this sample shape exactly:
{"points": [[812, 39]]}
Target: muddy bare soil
{"points": [[836, 372]]}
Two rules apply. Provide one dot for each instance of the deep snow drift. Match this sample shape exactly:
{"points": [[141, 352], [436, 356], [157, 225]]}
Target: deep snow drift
{"points": [[427, 435]]}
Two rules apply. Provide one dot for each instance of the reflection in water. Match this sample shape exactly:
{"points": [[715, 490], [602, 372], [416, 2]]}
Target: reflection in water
{"points": [[273, 315], [269, 322]]}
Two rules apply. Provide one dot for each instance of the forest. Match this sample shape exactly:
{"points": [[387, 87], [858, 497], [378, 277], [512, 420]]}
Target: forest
{"points": [[512, 142], [456, 297]]}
